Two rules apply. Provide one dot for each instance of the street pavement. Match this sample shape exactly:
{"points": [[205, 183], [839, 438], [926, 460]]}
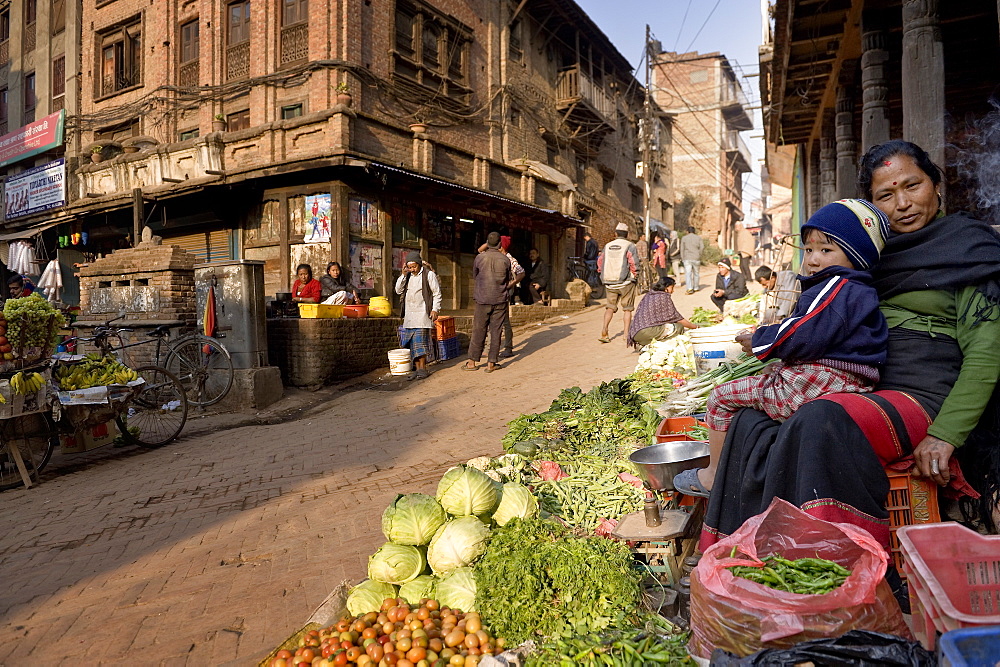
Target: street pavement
{"points": [[213, 549]]}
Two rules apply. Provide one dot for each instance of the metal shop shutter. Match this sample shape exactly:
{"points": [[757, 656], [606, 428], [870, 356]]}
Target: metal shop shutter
{"points": [[208, 246]]}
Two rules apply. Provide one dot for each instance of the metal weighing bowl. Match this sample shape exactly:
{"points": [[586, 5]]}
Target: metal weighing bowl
{"points": [[657, 464]]}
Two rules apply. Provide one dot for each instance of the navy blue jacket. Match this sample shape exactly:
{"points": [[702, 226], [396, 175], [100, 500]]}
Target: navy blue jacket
{"points": [[837, 317]]}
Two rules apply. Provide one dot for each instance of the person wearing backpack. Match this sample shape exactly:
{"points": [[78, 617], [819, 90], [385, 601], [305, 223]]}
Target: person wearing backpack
{"points": [[619, 269]]}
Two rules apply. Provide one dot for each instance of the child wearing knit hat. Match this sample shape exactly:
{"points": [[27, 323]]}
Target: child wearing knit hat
{"points": [[833, 342]]}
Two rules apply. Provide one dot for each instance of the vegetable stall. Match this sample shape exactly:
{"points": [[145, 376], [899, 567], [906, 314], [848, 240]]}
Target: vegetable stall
{"points": [[529, 555]]}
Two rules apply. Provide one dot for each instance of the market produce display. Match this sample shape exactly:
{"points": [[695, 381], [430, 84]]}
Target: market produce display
{"points": [[94, 371], [673, 354], [591, 492], [743, 310], [705, 317], [398, 633], [806, 576], [654, 642], [692, 396], [538, 580], [26, 384], [32, 323]]}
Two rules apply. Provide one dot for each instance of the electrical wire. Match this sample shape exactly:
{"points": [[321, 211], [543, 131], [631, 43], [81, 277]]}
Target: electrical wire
{"points": [[714, 7], [681, 29]]}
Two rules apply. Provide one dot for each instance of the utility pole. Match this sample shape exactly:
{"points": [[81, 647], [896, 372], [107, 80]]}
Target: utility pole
{"points": [[647, 135]]}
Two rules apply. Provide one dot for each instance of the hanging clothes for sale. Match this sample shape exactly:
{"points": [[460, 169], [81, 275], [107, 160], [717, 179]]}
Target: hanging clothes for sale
{"points": [[51, 281]]}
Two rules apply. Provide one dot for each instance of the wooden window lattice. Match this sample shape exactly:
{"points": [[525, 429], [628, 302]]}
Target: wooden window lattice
{"points": [[29, 37], [238, 61], [294, 43], [4, 52], [188, 75]]}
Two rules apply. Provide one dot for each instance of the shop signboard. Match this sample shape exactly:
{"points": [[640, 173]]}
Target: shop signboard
{"points": [[31, 139], [37, 189]]}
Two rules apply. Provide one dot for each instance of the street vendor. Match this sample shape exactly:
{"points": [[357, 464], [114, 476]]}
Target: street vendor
{"points": [[656, 316], [781, 293], [938, 280], [18, 286], [306, 289], [419, 305]]}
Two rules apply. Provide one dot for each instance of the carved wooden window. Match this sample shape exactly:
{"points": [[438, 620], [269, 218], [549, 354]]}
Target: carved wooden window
{"points": [[4, 37], [188, 73], [30, 17], [58, 83], [294, 31], [57, 16], [121, 59], [515, 50], [238, 40], [431, 49], [294, 11], [30, 100]]}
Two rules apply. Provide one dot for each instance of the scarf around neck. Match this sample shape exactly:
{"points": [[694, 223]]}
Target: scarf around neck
{"points": [[951, 252]]}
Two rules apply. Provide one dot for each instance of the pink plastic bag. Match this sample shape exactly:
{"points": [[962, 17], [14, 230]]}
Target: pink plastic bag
{"points": [[742, 616], [550, 471]]}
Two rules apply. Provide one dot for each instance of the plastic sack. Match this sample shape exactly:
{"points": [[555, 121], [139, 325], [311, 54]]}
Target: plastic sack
{"points": [[857, 648], [742, 616]]}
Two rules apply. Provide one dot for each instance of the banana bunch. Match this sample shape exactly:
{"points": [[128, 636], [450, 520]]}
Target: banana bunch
{"points": [[94, 371], [26, 384]]}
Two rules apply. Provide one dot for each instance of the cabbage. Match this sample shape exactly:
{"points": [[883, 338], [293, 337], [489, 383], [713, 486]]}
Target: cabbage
{"points": [[412, 519], [368, 596], [396, 564], [456, 544], [465, 491], [458, 590], [419, 588], [515, 501]]}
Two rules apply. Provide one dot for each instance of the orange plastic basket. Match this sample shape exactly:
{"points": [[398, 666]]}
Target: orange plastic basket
{"points": [[911, 500]]}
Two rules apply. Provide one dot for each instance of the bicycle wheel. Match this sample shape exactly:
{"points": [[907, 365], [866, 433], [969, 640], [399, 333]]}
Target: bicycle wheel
{"points": [[156, 415], [35, 437], [596, 286], [203, 366]]}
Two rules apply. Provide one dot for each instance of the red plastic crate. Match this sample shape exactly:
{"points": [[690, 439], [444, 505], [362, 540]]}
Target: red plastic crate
{"points": [[911, 500], [672, 429], [954, 578], [444, 327]]}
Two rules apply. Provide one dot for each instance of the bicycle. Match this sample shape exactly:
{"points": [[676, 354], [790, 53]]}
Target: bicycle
{"points": [[35, 437], [576, 267], [157, 412], [201, 363]]}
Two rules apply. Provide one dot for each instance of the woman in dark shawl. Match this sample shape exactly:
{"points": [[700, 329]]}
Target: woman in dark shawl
{"points": [[939, 284]]}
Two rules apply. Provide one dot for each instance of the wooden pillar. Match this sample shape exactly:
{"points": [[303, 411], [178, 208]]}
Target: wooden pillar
{"points": [[847, 145], [815, 183], [923, 77], [874, 87], [828, 160]]}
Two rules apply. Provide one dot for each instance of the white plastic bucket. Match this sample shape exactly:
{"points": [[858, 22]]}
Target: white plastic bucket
{"points": [[715, 345], [400, 361]]}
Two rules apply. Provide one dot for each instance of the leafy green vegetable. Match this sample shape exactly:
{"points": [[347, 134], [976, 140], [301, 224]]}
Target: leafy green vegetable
{"points": [[457, 544], [654, 641], [412, 519], [466, 491], [421, 587], [515, 501], [538, 580], [368, 596], [396, 564], [458, 590], [704, 316]]}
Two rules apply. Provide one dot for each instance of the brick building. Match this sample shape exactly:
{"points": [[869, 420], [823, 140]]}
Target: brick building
{"points": [[352, 131], [708, 106]]}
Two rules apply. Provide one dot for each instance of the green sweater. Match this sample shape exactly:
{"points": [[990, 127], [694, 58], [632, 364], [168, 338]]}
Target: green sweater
{"points": [[937, 311]]}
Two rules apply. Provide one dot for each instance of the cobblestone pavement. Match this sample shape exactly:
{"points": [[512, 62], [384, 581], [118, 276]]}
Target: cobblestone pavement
{"points": [[215, 548]]}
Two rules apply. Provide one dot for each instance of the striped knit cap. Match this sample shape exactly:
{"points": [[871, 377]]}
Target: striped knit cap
{"points": [[856, 226]]}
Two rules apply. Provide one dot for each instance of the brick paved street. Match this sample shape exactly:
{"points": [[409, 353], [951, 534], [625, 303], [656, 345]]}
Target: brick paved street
{"points": [[214, 548]]}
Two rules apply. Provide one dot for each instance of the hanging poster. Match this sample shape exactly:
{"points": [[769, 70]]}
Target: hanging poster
{"points": [[366, 265], [362, 218], [34, 190], [317, 215]]}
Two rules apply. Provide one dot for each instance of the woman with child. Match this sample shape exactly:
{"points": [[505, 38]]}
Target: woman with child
{"points": [[938, 281]]}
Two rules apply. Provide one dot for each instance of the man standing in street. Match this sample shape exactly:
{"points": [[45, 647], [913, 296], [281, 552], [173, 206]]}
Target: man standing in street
{"points": [[691, 247], [419, 305], [619, 268], [590, 251], [493, 278]]}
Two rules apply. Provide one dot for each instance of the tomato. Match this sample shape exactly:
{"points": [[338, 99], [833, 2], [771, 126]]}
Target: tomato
{"points": [[353, 653], [390, 658], [433, 605], [375, 651], [404, 644], [359, 627], [340, 658], [403, 662], [283, 653], [472, 623], [369, 633], [370, 617], [308, 654], [435, 644], [343, 625], [457, 660], [454, 638], [423, 614], [471, 641], [384, 639], [472, 661], [279, 662], [416, 654]]}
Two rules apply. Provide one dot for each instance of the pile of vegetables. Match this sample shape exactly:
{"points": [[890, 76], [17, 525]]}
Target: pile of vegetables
{"points": [[806, 576], [692, 396], [674, 354], [743, 310], [399, 633], [704, 317], [654, 642], [434, 540], [592, 492], [608, 421], [537, 580]]}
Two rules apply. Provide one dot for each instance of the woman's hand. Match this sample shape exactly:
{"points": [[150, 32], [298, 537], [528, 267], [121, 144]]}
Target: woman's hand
{"points": [[744, 339], [932, 456]]}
